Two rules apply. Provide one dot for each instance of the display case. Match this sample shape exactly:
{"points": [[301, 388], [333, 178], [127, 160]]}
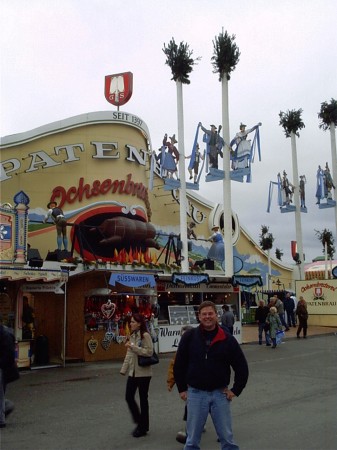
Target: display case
{"points": [[183, 315]]}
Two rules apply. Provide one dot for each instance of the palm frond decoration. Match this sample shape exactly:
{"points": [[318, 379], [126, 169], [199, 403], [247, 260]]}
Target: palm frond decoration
{"points": [[179, 59], [291, 121], [328, 114], [266, 238], [278, 254], [226, 55], [326, 237]]}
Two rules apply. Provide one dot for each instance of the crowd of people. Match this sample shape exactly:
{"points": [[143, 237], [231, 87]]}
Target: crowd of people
{"points": [[209, 368], [280, 316]]}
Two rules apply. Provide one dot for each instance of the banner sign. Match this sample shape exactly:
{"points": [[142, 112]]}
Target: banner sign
{"points": [[56, 288], [132, 279], [14, 274], [190, 279], [247, 280]]}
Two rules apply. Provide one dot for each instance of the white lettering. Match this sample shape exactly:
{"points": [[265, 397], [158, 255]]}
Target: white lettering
{"points": [[102, 147], [7, 167], [41, 159], [135, 155], [70, 150]]}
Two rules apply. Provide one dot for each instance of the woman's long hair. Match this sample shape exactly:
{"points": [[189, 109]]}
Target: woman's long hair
{"points": [[139, 318]]}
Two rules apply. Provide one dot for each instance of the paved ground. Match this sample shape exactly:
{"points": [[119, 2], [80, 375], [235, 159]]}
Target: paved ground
{"points": [[289, 403], [250, 332]]}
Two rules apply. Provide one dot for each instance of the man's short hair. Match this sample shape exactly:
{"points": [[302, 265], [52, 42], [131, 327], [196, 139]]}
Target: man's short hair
{"points": [[205, 304]]}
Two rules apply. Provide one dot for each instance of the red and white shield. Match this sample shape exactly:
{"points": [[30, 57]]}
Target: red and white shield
{"points": [[318, 292], [118, 88]]}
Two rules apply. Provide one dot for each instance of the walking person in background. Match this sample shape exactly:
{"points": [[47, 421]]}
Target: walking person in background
{"points": [[302, 314], [275, 324], [261, 314], [181, 435], [202, 371], [227, 319], [280, 311], [289, 306], [140, 343]]}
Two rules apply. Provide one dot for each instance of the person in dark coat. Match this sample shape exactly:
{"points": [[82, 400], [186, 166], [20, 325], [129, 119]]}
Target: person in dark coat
{"points": [[202, 371], [261, 314], [8, 371], [289, 306], [302, 314]]}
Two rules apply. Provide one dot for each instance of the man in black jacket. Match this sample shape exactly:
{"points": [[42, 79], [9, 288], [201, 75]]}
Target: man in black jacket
{"points": [[8, 370], [202, 373]]}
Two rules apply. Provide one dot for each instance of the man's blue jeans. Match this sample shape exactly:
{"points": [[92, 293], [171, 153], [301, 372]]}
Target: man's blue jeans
{"points": [[199, 404], [262, 330]]}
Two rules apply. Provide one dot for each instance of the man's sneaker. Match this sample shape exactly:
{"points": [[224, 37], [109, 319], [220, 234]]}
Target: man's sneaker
{"points": [[181, 437]]}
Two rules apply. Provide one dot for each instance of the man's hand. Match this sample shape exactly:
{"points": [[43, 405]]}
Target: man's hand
{"points": [[229, 394], [183, 395]]}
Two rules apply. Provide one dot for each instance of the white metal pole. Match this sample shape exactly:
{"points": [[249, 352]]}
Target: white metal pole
{"points": [[227, 202], [326, 259], [64, 324], [334, 165], [182, 194], [296, 197], [269, 270]]}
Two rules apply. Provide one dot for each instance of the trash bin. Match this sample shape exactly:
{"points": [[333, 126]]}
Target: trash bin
{"points": [[41, 350]]}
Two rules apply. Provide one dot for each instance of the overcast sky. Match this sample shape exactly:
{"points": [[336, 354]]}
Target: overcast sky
{"points": [[55, 55]]}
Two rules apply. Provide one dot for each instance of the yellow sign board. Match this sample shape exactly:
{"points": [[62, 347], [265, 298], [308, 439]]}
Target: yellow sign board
{"points": [[320, 295]]}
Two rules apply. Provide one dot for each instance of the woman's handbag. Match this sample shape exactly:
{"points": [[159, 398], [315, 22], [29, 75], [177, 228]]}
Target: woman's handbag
{"points": [[144, 361], [266, 326]]}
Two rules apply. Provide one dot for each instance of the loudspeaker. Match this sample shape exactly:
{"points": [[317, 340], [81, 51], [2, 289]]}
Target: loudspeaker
{"points": [[209, 264], [33, 253]]}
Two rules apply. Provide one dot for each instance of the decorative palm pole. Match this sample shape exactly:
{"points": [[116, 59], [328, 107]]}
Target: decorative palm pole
{"points": [[224, 60], [328, 117], [266, 243], [291, 122], [327, 241], [181, 63]]}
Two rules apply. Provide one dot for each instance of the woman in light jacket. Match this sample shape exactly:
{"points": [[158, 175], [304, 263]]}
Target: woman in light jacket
{"points": [[140, 343], [275, 324]]}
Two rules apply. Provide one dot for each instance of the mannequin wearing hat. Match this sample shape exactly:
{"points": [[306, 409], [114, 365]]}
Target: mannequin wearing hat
{"points": [[288, 189], [171, 157], [217, 250], [215, 144], [56, 214], [197, 157], [242, 147]]}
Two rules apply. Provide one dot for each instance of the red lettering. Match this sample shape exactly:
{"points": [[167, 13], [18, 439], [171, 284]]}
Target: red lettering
{"points": [[95, 187], [84, 190], [70, 198], [58, 195], [105, 186], [129, 187]]}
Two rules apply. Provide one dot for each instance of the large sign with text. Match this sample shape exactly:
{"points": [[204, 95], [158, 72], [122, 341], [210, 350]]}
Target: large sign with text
{"points": [[320, 295]]}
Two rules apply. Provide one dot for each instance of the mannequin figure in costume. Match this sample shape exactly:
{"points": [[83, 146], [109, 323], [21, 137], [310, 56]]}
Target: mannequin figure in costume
{"points": [[217, 250], [243, 147], [56, 214]]}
